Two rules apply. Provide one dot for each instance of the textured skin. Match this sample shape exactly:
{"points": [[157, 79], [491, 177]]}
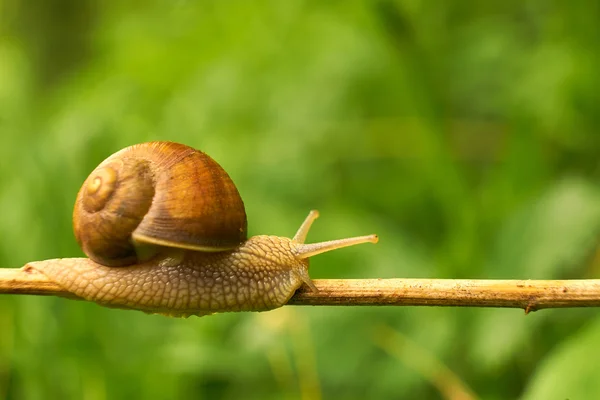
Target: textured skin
{"points": [[261, 274]]}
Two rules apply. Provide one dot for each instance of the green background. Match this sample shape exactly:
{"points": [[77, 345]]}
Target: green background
{"points": [[464, 133]]}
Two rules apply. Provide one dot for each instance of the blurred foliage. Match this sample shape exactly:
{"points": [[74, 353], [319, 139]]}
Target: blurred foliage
{"points": [[465, 133]]}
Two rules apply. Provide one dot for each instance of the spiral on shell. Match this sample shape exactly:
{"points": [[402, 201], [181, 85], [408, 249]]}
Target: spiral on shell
{"points": [[157, 194]]}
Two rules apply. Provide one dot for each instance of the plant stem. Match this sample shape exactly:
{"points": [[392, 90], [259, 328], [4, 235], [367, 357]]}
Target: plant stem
{"points": [[529, 295], [28, 281]]}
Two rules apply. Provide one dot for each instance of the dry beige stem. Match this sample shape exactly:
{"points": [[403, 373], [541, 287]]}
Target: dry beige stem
{"points": [[529, 295]]}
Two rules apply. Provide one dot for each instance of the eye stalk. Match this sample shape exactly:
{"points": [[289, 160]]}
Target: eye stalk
{"points": [[303, 250]]}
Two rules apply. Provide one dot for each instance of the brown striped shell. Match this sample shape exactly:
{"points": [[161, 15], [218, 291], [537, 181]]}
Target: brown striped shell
{"points": [[157, 194]]}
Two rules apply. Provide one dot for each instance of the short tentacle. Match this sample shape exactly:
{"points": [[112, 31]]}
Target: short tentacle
{"points": [[300, 236]]}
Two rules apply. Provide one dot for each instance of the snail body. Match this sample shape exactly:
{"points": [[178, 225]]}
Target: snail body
{"points": [[165, 231]]}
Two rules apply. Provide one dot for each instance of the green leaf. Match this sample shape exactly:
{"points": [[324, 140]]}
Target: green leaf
{"points": [[571, 370], [550, 238]]}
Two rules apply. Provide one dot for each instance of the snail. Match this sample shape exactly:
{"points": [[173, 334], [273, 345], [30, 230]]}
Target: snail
{"points": [[165, 232]]}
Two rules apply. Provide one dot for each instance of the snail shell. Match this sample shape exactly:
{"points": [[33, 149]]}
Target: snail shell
{"points": [[157, 195]]}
